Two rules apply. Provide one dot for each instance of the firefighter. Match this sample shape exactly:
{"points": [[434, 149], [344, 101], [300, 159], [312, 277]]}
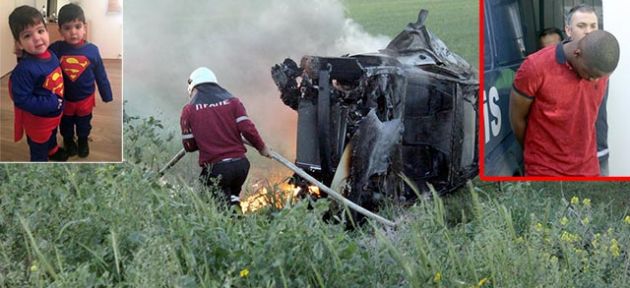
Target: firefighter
{"points": [[213, 122]]}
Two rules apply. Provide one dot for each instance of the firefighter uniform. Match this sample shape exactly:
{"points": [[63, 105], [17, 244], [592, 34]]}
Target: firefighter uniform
{"points": [[213, 123]]}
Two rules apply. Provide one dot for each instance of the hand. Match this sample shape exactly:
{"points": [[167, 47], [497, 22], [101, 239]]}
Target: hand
{"points": [[265, 152]]}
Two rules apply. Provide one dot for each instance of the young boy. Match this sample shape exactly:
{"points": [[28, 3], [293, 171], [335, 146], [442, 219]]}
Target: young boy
{"points": [[82, 65], [36, 86]]}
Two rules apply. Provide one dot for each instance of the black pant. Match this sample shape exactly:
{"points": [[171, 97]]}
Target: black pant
{"points": [[82, 124], [231, 175]]}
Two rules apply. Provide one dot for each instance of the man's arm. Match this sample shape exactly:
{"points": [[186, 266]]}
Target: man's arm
{"points": [[519, 111], [188, 138]]}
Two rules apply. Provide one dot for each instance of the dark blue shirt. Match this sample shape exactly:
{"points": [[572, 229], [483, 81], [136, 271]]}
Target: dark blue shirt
{"points": [[36, 87], [82, 66]]}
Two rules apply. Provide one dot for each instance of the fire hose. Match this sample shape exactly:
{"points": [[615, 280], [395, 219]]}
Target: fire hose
{"points": [[332, 193]]}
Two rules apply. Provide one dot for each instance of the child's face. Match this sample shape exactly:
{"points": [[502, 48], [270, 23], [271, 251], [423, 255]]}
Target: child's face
{"points": [[73, 32], [34, 39]]}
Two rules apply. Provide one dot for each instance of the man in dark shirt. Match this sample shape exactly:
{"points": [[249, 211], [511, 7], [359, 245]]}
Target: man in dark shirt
{"points": [[549, 37], [580, 21], [213, 122]]}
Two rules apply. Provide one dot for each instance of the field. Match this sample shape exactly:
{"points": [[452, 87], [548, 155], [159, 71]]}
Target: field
{"points": [[122, 226], [455, 22]]}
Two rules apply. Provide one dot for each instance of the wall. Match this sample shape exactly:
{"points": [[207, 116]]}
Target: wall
{"points": [[7, 58], [105, 29], [6, 40], [615, 13]]}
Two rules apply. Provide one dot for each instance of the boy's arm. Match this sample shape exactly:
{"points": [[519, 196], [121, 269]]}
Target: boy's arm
{"points": [[21, 90], [104, 88], [55, 48]]}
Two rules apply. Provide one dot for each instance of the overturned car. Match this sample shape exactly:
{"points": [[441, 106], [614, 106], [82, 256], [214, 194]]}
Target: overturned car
{"points": [[375, 125]]}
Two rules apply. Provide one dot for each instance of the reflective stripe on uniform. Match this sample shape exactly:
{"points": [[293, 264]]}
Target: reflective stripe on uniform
{"points": [[602, 152], [234, 199], [187, 136], [242, 118]]}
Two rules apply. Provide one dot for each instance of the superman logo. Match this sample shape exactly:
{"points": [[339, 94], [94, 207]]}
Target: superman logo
{"points": [[54, 82], [73, 66]]}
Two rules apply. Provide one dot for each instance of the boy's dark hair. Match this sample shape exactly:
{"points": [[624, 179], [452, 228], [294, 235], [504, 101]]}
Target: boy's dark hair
{"points": [[69, 13], [23, 17]]}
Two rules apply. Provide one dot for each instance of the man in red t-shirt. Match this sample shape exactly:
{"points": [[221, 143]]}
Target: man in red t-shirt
{"points": [[554, 102], [213, 123]]}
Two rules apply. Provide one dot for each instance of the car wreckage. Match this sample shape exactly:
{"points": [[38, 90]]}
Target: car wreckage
{"points": [[385, 124]]}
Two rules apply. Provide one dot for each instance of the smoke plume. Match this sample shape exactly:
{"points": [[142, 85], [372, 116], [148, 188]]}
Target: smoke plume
{"points": [[240, 41]]}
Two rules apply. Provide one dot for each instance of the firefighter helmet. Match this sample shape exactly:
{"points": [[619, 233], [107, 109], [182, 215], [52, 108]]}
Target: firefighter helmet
{"points": [[200, 75]]}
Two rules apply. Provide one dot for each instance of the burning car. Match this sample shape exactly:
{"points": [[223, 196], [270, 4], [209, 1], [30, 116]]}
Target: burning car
{"points": [[374, 125]]}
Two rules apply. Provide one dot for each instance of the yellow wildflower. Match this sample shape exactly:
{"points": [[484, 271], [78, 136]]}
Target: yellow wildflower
{"points": [[614, 248], [575, 200], [627, 219], [437, 277], [539, 227], [244, 273], [569, 237], [564, 221], [586, 220], [482, 282], [586, 202]]}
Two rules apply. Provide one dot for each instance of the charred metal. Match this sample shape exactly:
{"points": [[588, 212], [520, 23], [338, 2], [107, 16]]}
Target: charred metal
{"points": [[367, 121]]}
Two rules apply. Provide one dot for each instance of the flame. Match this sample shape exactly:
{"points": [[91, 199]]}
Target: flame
{"points": [[280, 196], [314, 190]]}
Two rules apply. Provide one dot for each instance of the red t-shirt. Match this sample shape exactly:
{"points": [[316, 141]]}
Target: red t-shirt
{"points": [[214, 126], [560, 134]]}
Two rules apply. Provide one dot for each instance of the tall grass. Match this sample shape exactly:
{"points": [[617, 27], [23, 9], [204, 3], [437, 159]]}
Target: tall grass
{"points": [[115, 225]]}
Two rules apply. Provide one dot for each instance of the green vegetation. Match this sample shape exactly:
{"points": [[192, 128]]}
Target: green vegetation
{"points": [[116, 225], [456, 22], [119, 225]]}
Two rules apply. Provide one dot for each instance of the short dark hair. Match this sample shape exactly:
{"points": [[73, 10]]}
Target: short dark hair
{"points": [[584, 8], [601, 51], [69, 13], [549, 31], [23, 17]]}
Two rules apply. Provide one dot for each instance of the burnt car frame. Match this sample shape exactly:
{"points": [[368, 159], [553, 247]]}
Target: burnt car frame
{"points": [[375, 125]]}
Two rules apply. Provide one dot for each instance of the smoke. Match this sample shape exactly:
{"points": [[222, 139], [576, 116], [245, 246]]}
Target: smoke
{"points": [[240, 41]]}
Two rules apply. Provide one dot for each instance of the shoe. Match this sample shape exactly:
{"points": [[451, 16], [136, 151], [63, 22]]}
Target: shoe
{"points": [[70, 146], [59, 156], [84, 149]]}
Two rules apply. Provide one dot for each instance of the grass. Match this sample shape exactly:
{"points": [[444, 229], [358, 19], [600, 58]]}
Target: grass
{"points": [[456, 22], [116, 225], [121, 228]]}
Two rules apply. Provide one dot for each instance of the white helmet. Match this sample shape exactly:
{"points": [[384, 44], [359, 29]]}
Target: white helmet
{"points": [[200, 75]]}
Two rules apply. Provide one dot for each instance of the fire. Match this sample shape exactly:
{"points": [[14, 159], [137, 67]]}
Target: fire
{"points": [[278, 196], [314, 190]]}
